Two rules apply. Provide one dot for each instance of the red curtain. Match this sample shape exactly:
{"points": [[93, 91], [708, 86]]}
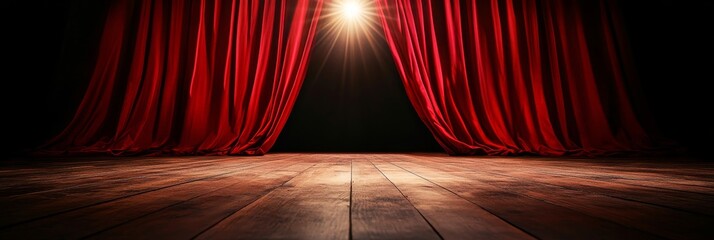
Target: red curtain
{"points": [[193, 77], [516, 76]]}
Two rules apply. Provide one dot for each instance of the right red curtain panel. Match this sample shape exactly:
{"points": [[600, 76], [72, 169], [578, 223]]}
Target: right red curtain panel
{"points": [[504, 77]]}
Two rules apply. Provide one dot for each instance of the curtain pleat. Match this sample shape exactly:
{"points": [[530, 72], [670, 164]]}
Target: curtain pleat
{"points": [[193, 77], [503, 77]]}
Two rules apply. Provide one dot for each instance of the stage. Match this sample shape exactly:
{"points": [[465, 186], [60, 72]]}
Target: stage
{"points": [[356, 196]]}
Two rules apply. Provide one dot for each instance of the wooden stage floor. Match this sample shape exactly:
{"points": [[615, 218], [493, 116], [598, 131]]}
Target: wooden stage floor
{"points": [[356, 196]]}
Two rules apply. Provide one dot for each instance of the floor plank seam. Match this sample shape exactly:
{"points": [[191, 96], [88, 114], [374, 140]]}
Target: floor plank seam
{"points": [[182, 164], [392, 195], [581, 212], [105, 182], [616, 197], [623, 183], [174, 204], [635, 185], [181, 169], [613, 196], [597, 193], [485, 209], [252, 202], [562, 206], [351, 183], [410, 201], [662, 206], [153, 164], [122, 197]]}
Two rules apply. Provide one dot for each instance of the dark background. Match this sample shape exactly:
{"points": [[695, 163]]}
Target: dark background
{"points": [[353, 99], [50, 45]]}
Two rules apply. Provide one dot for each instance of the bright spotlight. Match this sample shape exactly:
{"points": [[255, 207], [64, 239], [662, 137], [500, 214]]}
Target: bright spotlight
{"points": [[351, 10], [350, 18]]}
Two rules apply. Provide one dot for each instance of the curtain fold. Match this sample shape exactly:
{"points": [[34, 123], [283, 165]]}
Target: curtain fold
{"points": [[497, 77], [505, 77], [193, 77]]}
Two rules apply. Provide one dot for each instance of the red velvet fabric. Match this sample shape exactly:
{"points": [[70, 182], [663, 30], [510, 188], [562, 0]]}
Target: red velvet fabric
{"points": [[193, 77], [486, 76], [505, 77]]}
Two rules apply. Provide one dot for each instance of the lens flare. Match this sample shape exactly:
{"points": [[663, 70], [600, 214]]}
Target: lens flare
{"points": [[355, 16], [350, 27], [351, 10]]}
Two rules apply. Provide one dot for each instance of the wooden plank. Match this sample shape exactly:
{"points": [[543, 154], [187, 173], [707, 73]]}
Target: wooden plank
{"points": [[452, 216], [57, 180], [689, 202], [656, 220], [83, 222], [313, 205], [623, 175], [79, 169], [682, 174], [456, 196], [541, 219], [676, 168], [37, 206], [686, 201], [189, 218], [379, 210], [79, 176], [687, 171]]}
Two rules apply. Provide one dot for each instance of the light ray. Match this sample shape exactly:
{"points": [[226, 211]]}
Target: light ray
{"points": [[352, 23]]}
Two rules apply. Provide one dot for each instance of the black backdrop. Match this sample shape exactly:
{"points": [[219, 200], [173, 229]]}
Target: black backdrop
{"points": [[50, 46], [353, 100]]}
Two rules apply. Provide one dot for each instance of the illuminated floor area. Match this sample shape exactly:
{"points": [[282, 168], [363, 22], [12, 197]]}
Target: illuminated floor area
{"points": [[356, 196]]}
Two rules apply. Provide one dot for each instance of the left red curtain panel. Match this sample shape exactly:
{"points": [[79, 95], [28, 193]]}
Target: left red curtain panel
{"points": [[193, 77]]}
